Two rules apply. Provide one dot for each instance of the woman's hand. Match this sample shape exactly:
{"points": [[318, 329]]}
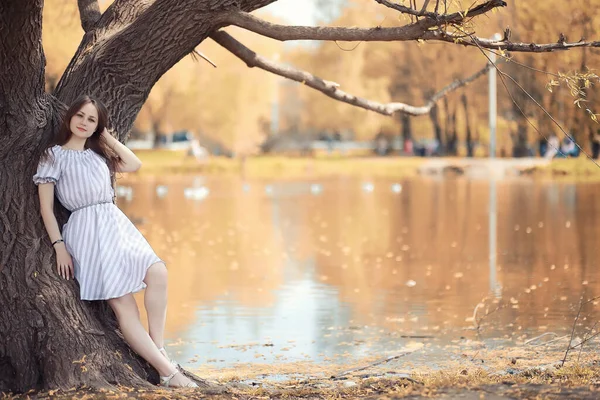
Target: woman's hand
{"points": [[64, 262], [128, 161], [107, 137]]}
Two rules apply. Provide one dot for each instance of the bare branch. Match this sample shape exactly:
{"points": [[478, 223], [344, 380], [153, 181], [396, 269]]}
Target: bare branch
{"points": [[425, 4], [403, 33], [196, 53], [505, 44], [89, 12], [330, 88], [284, 32], [417, 31], [445, 18]]}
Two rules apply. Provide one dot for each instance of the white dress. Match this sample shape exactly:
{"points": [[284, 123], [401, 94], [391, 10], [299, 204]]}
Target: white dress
{"points": [[110, 255]]}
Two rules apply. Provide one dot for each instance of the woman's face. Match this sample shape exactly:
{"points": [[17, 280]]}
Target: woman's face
{"points": [[85, 121]]}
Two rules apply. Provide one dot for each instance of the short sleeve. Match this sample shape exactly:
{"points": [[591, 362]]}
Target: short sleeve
{"points": [[48, 170]]}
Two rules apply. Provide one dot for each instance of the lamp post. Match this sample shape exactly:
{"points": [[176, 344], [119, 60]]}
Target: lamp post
{"points": [[492, 100], [493, 209]]}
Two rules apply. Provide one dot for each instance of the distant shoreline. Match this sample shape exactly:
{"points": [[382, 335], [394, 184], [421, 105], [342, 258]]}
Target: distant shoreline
{"points": [[158, 162]]}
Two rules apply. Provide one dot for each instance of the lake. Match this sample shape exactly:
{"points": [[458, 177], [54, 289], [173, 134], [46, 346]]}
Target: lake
{"points": [[340, 269]]}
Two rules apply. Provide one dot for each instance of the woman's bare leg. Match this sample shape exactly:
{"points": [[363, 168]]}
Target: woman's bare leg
{"points": [[155, 301], [128, 315], [135, 335]]}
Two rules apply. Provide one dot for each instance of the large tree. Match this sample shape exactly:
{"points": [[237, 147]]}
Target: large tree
{"points": [[49, 338]]}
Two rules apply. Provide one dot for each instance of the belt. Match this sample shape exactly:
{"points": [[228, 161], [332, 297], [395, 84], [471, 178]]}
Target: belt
{"points": [[91, 205]]}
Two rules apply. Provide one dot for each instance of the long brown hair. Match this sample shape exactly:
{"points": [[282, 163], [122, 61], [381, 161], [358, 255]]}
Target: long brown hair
{"points": [[94, 142]]}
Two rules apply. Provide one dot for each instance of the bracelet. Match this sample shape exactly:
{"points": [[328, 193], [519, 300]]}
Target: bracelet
{"points": [[57, 241]]}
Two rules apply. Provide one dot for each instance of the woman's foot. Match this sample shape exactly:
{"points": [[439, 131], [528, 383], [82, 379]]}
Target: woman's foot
{"points": [[177, 380]]}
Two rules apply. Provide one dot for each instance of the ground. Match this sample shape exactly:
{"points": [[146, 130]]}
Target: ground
{"points": [[528, 370]]}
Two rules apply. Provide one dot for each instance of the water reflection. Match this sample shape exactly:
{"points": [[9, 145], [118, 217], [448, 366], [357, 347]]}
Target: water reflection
{"points": [[267, 271]]}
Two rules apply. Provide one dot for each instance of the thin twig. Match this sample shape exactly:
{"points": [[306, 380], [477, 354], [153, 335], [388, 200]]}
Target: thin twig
{"points": [[475, 322], [539, 337], [382, 361], [551, 341], [572, 332], [196, 53], [512, 60], [583, 342]]}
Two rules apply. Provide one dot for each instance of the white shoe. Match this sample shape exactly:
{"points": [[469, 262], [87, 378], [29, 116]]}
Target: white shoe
{"points": [[166, 381]]}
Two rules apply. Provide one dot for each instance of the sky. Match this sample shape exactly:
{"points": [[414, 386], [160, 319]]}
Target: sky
{"points": [[296, 12]]}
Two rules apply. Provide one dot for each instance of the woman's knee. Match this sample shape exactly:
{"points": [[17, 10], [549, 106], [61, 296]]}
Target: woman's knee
{"points": [[124, 305], [156, 275]]}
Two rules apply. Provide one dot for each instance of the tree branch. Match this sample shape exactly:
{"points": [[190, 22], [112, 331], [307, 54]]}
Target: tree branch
{"points": [[445, 18], [329, 88], [285, 33], [417, 31], [89, 12], [505, 43], [133, 44], [403, 33]]}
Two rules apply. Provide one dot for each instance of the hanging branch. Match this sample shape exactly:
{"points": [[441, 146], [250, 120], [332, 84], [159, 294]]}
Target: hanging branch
{"points": [[330, 88], [89, 12]]}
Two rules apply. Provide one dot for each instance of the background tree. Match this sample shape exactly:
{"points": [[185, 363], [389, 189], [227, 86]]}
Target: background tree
{"points": [[48, 337], [415, 72]]}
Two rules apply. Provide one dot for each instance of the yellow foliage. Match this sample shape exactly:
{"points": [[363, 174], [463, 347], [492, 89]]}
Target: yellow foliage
{"points": [[234, 104]]}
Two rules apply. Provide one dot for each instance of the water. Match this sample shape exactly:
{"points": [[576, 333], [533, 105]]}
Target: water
{"points": [[340, 269]]}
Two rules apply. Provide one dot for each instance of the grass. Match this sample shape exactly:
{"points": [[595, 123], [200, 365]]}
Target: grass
{"points": [[575, 381], [518, 371], [158, 162], [581, 167], [174, 162]]}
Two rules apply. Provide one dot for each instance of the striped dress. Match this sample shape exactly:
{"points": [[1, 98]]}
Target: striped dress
{"points": [[110, 256]]}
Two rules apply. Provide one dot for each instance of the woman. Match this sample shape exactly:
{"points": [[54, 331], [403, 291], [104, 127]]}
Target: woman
{"points": [[99, 246]]}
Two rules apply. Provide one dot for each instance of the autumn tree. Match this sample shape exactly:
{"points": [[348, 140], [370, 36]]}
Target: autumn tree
{"points": [[48, 337], [413, 73]]}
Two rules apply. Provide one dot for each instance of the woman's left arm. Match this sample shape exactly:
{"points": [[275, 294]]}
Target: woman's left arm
{"points": [[128, 161]]}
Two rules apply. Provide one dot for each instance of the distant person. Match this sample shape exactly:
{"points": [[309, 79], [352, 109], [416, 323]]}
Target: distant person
{"points": [[542, 146], [383, 145], [553, 147], [596, 144], [568, 147], [408, 146], [197, 151]]}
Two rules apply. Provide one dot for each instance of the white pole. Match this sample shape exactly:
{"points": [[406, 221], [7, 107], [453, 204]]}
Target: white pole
{"points": [[493, 205], [492, 101]]}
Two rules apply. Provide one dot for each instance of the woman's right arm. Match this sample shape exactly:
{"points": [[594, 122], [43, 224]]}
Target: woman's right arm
{"points": [[64, 263]]}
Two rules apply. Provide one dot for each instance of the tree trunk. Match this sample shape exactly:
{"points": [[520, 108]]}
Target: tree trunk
{"points": [[437, 128], [405, 120], [450, 125], [520, 142], [48, 337], [469, 133]]}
